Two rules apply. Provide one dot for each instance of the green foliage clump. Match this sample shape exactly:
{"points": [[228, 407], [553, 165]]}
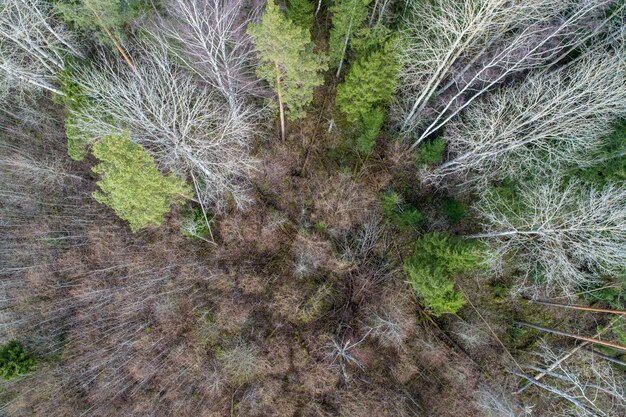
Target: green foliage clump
{"points": [[430, 152], [194, 225], [347, 17], [96, 15], [287, 61], [400, 213], [614, 295], [611, 160], [454, 210], [14, 360], [432, 266], [300, 12], [132, 185]]}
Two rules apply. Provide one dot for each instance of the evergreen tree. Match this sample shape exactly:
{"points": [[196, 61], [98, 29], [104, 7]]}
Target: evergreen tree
{"points": [[300, 12], [432, 266], [348, 17], [287, 62], [370, 84], [430, 152], [131, 184]]}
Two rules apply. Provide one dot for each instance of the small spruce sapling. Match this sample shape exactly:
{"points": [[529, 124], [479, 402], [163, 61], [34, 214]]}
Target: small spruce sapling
{"points": [[400, 213], [430, 152], [369, 85], [14, 360], [436, 259]]}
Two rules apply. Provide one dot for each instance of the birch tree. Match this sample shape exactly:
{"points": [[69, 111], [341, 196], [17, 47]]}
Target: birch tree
{"points": [[563, 234], [287, 62], [190, 130], [210, 37], [583, 386], [33, 46], [550, 121], [457, 51]]}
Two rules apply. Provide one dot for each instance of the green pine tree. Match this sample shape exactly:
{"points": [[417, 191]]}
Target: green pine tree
{"points": [[132, 185], [300, 12], [348, 17], [287, 62]]}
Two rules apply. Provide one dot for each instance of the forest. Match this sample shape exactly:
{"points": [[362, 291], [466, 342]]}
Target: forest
{"points": [[313, 208]]}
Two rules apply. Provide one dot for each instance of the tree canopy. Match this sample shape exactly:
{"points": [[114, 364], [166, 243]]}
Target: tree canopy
{"points": [[287, 61], [132, 185]]}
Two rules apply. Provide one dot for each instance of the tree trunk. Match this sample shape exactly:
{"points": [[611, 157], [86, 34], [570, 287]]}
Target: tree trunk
{"points": [[574, 336], [575, 307]]}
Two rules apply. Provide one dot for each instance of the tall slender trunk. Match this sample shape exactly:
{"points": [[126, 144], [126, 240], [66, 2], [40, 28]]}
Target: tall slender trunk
{"points": [[502, 233], [345, 44], [574, 336]]}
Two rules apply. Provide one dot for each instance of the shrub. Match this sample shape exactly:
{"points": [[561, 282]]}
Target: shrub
{"points": [[241, 364], [454, 210], [316, 304], [132, 185], [400, 213], [432, 266], [610, 163], [194, 225], [430, 152], [14, 360], [76, 141]]}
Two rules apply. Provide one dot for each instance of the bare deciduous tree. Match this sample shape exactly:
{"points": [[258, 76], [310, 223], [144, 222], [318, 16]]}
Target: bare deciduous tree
{"points": [[32, 45], [472, 46], [552, 119], [189, 129], [589, 385], [563, 233], [210, 37]]}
